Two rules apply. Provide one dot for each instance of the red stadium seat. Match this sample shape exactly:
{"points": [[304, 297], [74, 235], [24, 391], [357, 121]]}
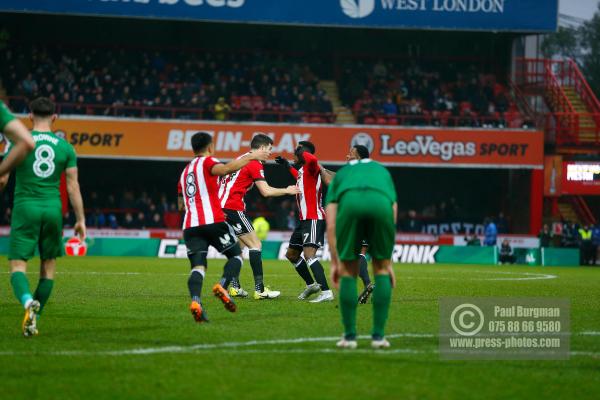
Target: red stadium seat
{"points": [[258, 103], [369, 120]]}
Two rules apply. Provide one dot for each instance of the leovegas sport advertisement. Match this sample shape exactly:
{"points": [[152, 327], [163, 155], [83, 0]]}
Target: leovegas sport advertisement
{"points": [[170, 140]]}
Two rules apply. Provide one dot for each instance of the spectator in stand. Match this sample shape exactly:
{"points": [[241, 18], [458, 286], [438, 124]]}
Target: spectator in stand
{"points": [[96, 219], [156, 221], [545, 236], [68, 219], [506, 253], [325, 106], [491, 233], [128, 222], [411, 224], [502, 223], [390, 108], [585, 245], [570, 237], [595, 243], [473, 240], [112, 221], [140, 222]]}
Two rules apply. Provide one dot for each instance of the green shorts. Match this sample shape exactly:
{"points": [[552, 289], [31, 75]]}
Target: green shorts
{"points": [[33, 225], [365, 215]]}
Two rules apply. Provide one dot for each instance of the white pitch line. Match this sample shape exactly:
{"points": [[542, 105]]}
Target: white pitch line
{"points": [[210, 346], [529, 276], [239, 347], [590, 333]]}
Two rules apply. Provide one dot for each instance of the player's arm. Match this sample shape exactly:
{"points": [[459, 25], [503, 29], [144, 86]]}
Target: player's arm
{"points": [[284, 162], [4, 181], [395, 211], [180, 203], [236, 165], [21, 144], [326, 175], [310, 161], [268, 191], [76, 201]]}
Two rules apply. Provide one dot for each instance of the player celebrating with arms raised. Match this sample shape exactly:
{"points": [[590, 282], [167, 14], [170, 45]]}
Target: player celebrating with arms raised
{"points": [[204, 222], [309, 235], [37, 213], [361, 204], [233, 188]]}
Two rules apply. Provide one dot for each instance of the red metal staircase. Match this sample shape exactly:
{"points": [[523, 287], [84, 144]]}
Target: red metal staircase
{"points": [[561, 100]]}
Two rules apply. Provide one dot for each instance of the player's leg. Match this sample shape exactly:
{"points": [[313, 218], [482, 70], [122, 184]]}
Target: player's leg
{"points": [[197, 249], [347, 235], [51, 247], [235, 288], [24, 235], [254, 245], [347, 293], [313, 262], [381, 235], [363, 267], [314, 236], [46, 282], [222, 237], [363, 272], [233, 218], [294, 255]]}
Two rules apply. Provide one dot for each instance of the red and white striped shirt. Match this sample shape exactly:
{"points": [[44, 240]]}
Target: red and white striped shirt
{"points": [[200, 191], [233, 187], [308, 180]]}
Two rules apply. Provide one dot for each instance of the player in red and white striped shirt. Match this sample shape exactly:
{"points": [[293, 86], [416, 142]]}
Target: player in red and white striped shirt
{"points": [[204, 222], [309, 235], [232, 190]]}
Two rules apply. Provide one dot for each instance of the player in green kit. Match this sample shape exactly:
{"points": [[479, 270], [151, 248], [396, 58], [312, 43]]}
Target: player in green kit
{"points": [[361, 204], [37, 212]]}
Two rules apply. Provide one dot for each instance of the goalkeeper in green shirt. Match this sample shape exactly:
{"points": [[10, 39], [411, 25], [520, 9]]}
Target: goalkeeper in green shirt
{"points": [[361, 204], [36, 221]]}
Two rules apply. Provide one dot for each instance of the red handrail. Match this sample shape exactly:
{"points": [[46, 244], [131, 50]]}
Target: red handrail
{"points": [[590, 97], [585, 210]]}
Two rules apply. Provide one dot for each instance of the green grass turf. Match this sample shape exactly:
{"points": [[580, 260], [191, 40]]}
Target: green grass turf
{"points": [[140, 303]]}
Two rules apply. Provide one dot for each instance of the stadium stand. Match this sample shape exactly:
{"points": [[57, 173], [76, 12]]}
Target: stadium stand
{"points": [[402, 92], [256, 86], [167, 84]]}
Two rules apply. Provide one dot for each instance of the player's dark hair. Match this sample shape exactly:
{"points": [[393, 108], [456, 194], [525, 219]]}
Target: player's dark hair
{"points": [[308, 146], [42, 107], [200, 141], [362, 151], [260, 140]]}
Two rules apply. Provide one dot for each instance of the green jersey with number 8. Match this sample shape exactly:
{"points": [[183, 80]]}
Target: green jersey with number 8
{"points": [[38, 176]]}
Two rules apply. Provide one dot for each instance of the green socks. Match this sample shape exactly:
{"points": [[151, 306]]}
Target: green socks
{"points": [[348, 304], [42, 293], [382, 294], [20, 286]]}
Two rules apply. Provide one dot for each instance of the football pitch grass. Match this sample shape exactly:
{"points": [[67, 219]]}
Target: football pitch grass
{"points": [[119, 328]]}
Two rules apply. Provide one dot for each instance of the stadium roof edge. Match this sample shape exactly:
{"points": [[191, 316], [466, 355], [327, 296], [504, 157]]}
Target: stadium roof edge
{"points": [[514, 16]]}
